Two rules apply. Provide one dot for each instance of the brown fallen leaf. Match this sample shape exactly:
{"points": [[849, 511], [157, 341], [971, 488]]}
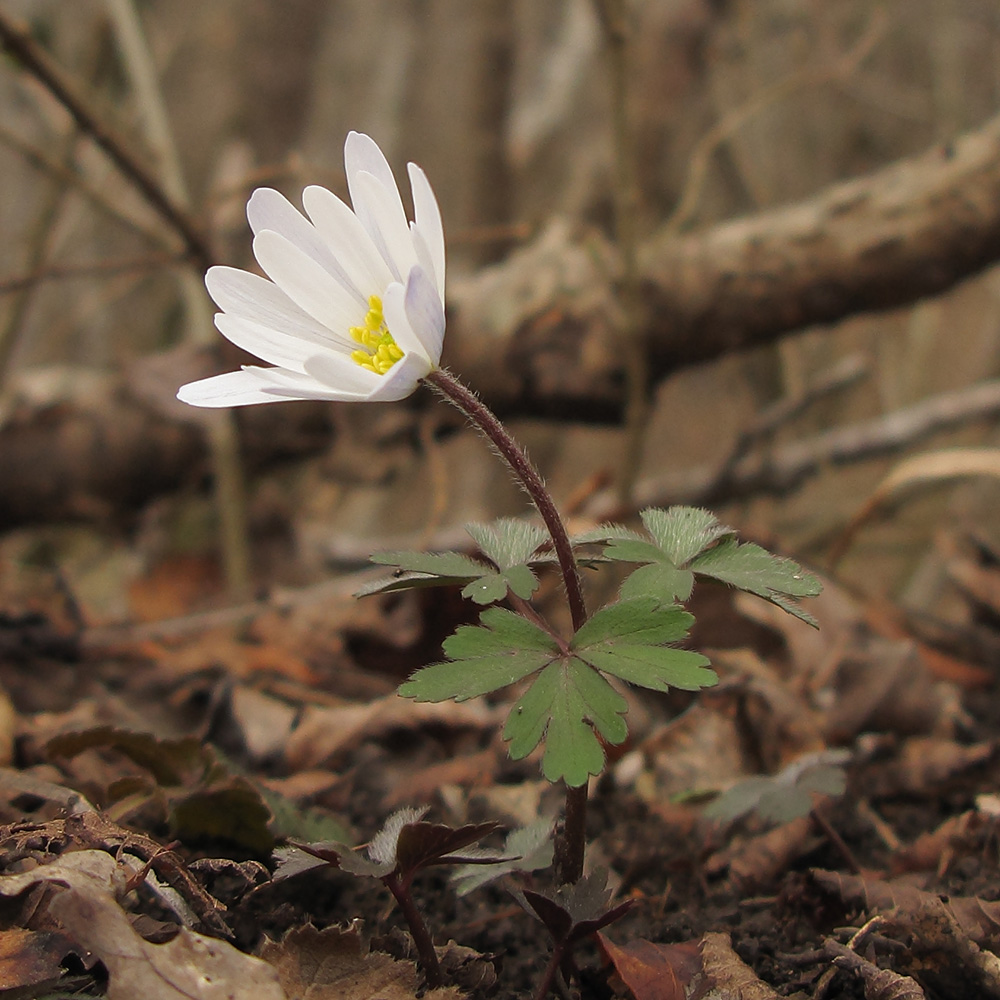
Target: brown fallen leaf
{"points": [[923, 764], [976, 918], [935, 851], [31, 958], [654, 971], [731, 976], [189, 967], [331, 964], [761, 860]]}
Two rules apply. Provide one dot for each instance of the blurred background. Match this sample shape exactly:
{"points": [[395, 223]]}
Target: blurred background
{"points": [[736, 105]]}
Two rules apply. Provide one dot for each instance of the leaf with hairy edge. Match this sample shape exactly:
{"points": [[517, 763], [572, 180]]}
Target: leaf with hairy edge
{"points": [[687, 541], [682, 532], [484, 658], [508, 541], [756, 570]]}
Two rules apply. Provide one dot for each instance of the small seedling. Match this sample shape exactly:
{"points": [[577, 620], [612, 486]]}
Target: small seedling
{"points": [[404, 846]]}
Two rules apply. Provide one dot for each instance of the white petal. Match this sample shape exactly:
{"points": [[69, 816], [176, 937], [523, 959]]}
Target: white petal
{"points": [[307, 283], [425, 313], [394, 310], [347, 239], [361, 153], [268, 209], [296, 385], [397, 383], [401, 379], [231, 389], [428, 222], [389, 230], [273, 346], [341, 373], [252, 297]]}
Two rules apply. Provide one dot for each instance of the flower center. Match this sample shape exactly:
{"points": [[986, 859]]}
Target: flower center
{"points": [[379, 350]]}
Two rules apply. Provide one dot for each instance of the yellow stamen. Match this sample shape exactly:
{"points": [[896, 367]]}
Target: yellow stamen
{"points": [[379, 350]]}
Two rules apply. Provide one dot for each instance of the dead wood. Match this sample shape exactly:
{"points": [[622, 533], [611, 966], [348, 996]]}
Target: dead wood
{"points": [[536, 335]]}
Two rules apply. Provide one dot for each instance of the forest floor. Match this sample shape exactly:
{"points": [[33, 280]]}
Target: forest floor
{"points": [[152, 768]]}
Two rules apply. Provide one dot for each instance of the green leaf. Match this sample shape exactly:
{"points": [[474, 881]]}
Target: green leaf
{"points": [[454, 565], [756, 570], [635, 550], [504, 649], [644, 620], [493, 586], [682, 532], [566, 703], [407, 581], [606, 533], [659, 579], [508, 541], [628, 639]]}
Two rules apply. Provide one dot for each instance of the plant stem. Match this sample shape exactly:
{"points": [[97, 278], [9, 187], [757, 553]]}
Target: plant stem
{"points": [[484, 418], [418, 930], [570, 846], [548, 979]]}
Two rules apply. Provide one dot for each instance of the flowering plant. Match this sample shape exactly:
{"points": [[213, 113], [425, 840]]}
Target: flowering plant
{"points": [[354, 311]]}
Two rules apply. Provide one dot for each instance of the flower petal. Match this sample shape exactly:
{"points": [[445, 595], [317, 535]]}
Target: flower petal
{"points": [[389, 230], [297, 385], [428, 223], [397, 383], [425, 313], [394, 310], [268, 209], [307, 283], [231, 389], [361, 153], [347, 239], [252, 297], [273, 346]]}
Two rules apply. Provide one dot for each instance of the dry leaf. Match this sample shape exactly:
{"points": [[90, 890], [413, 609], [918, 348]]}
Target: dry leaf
{"points": [[190, 967], [331, 965], [654, 971]]}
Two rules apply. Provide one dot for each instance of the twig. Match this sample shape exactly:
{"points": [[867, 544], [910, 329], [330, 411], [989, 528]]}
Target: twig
{"points": [[17, 41], [36, 158], [786, 468], [223, 437], [100, 268], [614, 19], [701, 157]]}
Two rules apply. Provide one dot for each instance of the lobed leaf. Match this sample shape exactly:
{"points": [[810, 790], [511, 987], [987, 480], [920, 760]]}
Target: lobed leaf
{"points": [[660, 579], [682, 532], [508, 541], [505, 648], [565, 705], [455, 565]]}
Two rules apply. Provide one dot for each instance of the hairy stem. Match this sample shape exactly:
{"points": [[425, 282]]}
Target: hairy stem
{"points": [[571, 845], [484, 418], [418, 930]]}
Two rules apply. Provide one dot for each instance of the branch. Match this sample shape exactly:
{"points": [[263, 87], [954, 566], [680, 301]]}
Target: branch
{"points": [[536, 335], [18, 42]]}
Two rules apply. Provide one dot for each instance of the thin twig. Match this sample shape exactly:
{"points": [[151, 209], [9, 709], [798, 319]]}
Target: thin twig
{"points": [[614, 16], [223, 437], [17, 41], [97, 268]]}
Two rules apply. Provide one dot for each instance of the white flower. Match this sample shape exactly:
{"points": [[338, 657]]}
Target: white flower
{"points": [[354, 309]]}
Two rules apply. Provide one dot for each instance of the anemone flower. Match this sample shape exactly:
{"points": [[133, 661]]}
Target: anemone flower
{"points": [[354, 308]]}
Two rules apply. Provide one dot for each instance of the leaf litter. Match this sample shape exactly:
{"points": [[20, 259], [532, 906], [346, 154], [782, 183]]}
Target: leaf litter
{"points": [[269, 720]]}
